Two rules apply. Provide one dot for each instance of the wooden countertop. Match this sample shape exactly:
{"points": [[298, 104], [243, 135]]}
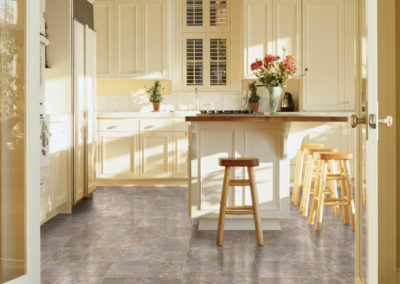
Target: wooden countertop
{"points": [[289, 117]]}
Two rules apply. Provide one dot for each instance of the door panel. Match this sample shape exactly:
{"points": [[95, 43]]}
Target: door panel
{"points": [[119, 155], [79, 110], [181, 154], [156, 150]]}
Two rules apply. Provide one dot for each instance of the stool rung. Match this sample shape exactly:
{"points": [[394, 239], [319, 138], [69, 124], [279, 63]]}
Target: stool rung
{"points": [[239, 212], [239, 182], [335, 177], [239, 207]]}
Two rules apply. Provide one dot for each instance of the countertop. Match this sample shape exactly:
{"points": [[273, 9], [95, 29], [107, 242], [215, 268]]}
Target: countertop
{"points": [[295, 117], [152, 114]]}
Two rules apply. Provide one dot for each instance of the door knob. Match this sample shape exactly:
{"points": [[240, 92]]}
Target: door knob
{"points": [[388, 121], [355, 120]]}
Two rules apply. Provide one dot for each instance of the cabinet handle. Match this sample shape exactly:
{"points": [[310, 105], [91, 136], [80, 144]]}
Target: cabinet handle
{"points": [[111, 127], [148, 126]]}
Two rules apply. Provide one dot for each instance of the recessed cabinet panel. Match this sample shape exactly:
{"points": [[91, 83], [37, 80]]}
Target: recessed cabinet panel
{"points": [[260, 143], [128, 38], [104, 25], [118, 155], [258, 31], [154, 39], [324, 54], [156, 152], [181, 144], [211, 150], [287, 27]]}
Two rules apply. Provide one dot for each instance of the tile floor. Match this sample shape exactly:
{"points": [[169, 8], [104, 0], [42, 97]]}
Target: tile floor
{"points": [[144, 235]]}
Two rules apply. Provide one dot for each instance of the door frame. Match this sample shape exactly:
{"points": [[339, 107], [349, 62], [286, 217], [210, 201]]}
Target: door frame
{"points": [[385, 234], [32, 146]]}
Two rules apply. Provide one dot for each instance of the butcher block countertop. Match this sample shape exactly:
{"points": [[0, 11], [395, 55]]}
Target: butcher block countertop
{"points": [[287, 117]]}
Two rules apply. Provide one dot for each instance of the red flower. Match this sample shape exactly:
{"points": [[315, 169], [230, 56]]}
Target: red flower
{"points": [[256, 65], [270, 58]]}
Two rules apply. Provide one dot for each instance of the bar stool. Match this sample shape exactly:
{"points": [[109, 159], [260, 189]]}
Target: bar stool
{"points": [[346, 199], [250, 163], [311, 167], [299, 171]]}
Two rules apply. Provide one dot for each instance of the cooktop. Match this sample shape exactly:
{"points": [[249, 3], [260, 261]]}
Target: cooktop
{"points": [[236, 111]]}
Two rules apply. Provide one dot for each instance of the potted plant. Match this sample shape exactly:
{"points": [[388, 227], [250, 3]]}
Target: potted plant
{"points": [[155, 95], [254, 98], [273, 73]]}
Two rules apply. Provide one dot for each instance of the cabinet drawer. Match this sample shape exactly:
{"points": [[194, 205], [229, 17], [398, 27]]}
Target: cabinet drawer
{"points": [[181, 125], [119, 125], [155, 125]]}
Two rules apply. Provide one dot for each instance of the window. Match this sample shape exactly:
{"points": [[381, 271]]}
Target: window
{"points": [[206, 39]]}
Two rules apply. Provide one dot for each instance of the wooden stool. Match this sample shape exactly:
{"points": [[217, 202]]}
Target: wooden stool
{"points": [[308, 181], [299, 171], [239, 210], [346, 199]]}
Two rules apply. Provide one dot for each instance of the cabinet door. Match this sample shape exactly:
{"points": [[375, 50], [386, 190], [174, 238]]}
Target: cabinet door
{"points": [[257, 31], [155, 39], [128, 40], [118, 155], [181, 144], [156, 154], [324, 55], [104, 26], [287, 27]]}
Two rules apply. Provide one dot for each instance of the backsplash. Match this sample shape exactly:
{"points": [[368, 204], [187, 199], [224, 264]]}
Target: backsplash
{"points": [[184, 101]]}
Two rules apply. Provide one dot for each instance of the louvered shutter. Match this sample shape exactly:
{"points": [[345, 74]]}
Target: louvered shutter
{"points": [[218, 61], [194, 61], [194, 13], [218, 13]]}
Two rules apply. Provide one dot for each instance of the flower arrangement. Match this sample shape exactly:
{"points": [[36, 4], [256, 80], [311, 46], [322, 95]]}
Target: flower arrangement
{"points": [[254, 98], [273, 71], [155, 92]]}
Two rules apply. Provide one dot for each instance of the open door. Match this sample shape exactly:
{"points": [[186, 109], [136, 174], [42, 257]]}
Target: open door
{"points": [[19, 142], [376, 144]]}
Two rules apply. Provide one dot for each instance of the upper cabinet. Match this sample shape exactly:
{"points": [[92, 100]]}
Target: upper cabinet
{"points": [[329, 54], [133, 39]]}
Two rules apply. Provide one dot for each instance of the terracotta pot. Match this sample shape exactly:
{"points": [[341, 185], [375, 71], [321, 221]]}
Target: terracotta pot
{"points": [[254, 107], [156, 106]]}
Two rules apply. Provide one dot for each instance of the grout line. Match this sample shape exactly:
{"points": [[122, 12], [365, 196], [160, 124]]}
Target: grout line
{"points": [[254, 257], [187, 249]]}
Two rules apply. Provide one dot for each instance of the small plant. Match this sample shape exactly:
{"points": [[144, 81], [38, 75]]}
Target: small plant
{"points": [[254, 98], [155, 92]]}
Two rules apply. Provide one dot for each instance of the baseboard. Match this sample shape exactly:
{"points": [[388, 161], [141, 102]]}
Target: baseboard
{"points": [[143, 182]]}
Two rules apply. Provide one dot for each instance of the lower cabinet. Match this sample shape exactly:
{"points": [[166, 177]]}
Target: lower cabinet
{"points": [[153, 150], [118, 155], [156, 154], [181, 144]]}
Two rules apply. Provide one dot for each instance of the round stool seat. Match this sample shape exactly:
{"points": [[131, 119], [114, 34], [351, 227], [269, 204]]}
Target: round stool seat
{"points": [[305, 146], [239, 162]]}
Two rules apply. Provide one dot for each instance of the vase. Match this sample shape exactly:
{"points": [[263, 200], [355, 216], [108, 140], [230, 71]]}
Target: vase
{"points": [[254, 107], [274, 96], [156, 106]]}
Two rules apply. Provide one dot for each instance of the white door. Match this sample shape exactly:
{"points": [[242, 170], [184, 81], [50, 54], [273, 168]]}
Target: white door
{"points": [[375, 145], [19, 142], [79, 110], [90, 63]]}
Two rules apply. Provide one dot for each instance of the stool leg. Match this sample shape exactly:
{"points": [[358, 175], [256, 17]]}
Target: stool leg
{"points": [[306, 186], [349, 190], [314, 202], [333, 190], [222, 207], [297, 177], [256, 213], [344, 193], [321, 196]]}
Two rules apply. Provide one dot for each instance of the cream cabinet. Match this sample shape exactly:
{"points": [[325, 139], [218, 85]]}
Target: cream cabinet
{"points": [[118, 155], [329, 53], [142, 148], [133, 39], [156, 154]]}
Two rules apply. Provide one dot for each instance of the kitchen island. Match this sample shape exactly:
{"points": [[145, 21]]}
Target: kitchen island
{"points": [[274, 139]]}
